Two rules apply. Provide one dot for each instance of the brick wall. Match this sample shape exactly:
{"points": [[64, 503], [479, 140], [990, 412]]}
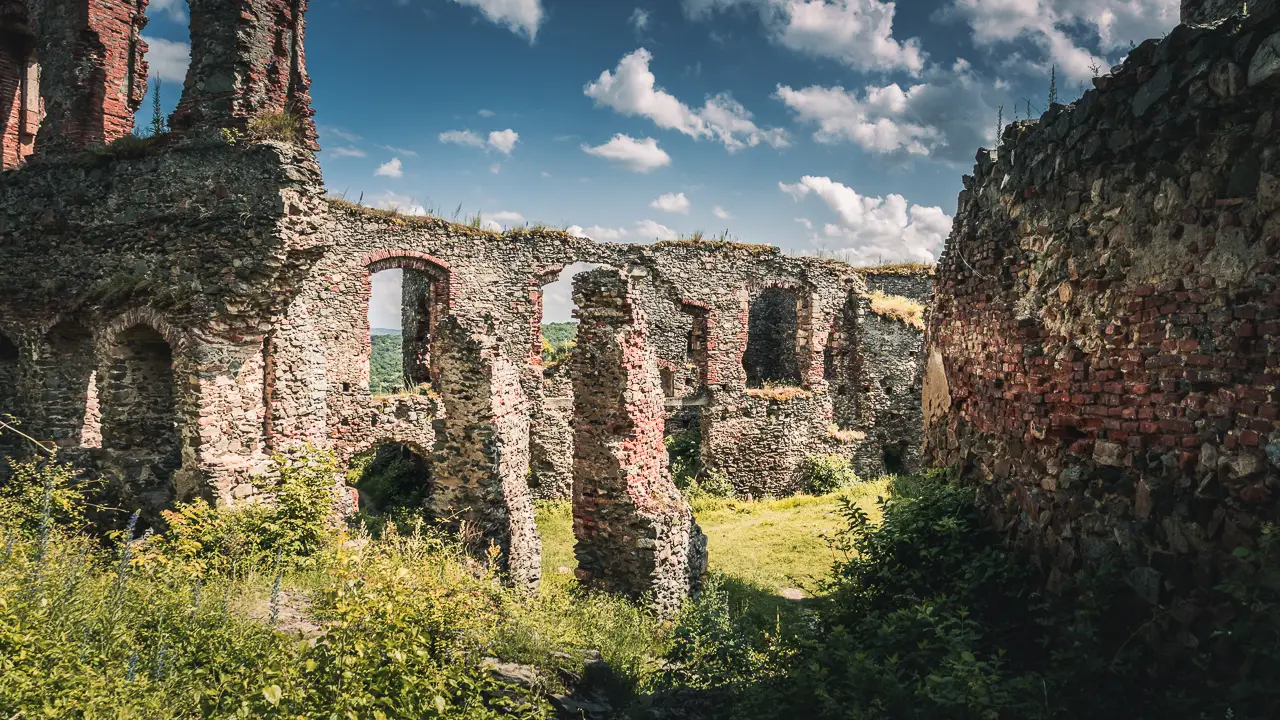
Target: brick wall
{"points": [[1104, 350]]}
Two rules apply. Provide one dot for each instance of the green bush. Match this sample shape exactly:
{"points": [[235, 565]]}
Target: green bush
{"points": [[684, 456], [934, 616], [42, 494], [825, 474]]}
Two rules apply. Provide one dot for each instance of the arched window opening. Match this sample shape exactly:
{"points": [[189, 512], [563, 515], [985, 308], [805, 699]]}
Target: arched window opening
{"points": [[556, 324], [772, 338], [395, 483], [71, 387], [139, 402], [405, 305], [893, 456]]}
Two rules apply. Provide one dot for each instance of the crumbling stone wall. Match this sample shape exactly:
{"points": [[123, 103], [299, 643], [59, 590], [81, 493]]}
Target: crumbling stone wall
{"points": [[635, 533], [178, 309], [888, 403], [20, 105], [1103, 352]]}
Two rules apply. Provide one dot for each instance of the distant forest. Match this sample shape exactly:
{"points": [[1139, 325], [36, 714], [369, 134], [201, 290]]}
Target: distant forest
{"points": [[386, 371]]}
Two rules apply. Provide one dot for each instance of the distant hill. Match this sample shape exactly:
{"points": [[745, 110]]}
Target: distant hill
{"points": [[384, 331], [386, 364]]}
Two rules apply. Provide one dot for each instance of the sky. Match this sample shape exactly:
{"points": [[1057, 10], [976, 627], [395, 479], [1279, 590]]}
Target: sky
{"points": [[833, 127]]}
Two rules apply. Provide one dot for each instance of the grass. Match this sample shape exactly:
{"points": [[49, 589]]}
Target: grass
{"points": [[781, 393], [770, 545], [897, 269], [904, 310]]}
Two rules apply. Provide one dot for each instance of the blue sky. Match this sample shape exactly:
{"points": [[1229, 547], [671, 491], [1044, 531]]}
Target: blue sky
{"points": [[834, 126]]}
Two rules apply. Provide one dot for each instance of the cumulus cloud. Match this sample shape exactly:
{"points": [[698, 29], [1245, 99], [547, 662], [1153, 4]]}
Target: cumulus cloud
{"points": [[175, 9], [505, 219], [392, 168], [635, 155], [721, 213], [167, 59], [650, 230], [1058, 27], [385, 299], [945, 117], [632, 89], [596, 232], [519, 16], [557, 297], [504, 141], [672, 203], [871, 229], [346, 151], [858, 33], [485, 113], [388, 200]]}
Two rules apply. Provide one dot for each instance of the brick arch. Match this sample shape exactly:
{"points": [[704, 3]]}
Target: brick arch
{"points": [[426, 298], [178, 340]]}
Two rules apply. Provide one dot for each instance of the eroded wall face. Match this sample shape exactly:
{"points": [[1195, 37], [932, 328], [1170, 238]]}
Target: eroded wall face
{"points": [[635, 533], [1104, 349], [20, 104]]}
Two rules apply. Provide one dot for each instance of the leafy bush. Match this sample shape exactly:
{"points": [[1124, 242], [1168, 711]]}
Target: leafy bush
{"points": [[42, 494], [934, 616], [824, 474], [684, 456], [294, 524]]}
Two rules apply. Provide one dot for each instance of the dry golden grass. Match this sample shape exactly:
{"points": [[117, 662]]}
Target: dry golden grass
{"points": [[845, 437], [899, 308], [781, 393], [897, 269]]}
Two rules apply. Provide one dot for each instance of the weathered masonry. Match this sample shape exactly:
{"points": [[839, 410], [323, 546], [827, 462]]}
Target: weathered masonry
{"points": [[174, 310], [1104, 349]]}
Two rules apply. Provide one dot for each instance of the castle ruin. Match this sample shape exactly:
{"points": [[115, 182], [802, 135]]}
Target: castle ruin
{"points": [[176, 309]]}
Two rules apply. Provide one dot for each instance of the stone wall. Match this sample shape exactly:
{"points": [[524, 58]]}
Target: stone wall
{"points": [[551, 436], [635, 533], [20, 106], [1104, 350]]}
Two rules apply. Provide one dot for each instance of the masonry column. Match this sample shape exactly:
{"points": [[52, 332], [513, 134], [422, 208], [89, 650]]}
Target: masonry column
{"points": [[93, 76], [19, 85], [247, 60], [482, 460], [635, 533]]}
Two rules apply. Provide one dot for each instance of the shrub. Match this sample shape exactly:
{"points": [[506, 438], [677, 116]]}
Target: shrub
{"points": [[684, 456], [824, 474], [42, 494], [279, 125]]}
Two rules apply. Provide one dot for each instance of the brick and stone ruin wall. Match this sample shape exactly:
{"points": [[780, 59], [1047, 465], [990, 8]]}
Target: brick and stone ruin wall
{"points": [[174, 310], [1104, 348]]}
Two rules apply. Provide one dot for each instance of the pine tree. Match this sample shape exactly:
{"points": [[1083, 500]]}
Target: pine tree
{"points": [[1053, 85], [1028, 108], [157, 118], [999, 124]]}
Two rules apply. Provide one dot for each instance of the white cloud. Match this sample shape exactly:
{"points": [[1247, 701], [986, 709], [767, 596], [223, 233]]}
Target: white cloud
{"points": [[858, 33], [326, 130], [721, 213], [504, 141], [506, 218], [175, 9], [346, 151], [672, 203], [874, 229], [388, 200], [495, 168], [546, 174], [596, 232], [806, 222], [1055, 26], [639, 19], [486, 113], [385, 299], [520, 16], [400, 151], [490, 225], [392, 168], [649, 229], [557, 297], [462, 137], [631, 89], [945, 117], [167, 59], [635, 155]]}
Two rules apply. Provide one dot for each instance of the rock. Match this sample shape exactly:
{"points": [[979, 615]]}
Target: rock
{"points": [[1265, 66], [1109, 453], [1153, 90]]}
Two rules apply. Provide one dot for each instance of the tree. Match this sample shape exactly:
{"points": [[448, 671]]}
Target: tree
{"points": [[1053, 85], [157, 118], [999, 124]]}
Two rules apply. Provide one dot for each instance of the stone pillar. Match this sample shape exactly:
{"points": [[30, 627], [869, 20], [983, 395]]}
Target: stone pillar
{"points": [[93, 75], [247, 59], [20, 104], [635, 534], [417, 315], [482, 459]]}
